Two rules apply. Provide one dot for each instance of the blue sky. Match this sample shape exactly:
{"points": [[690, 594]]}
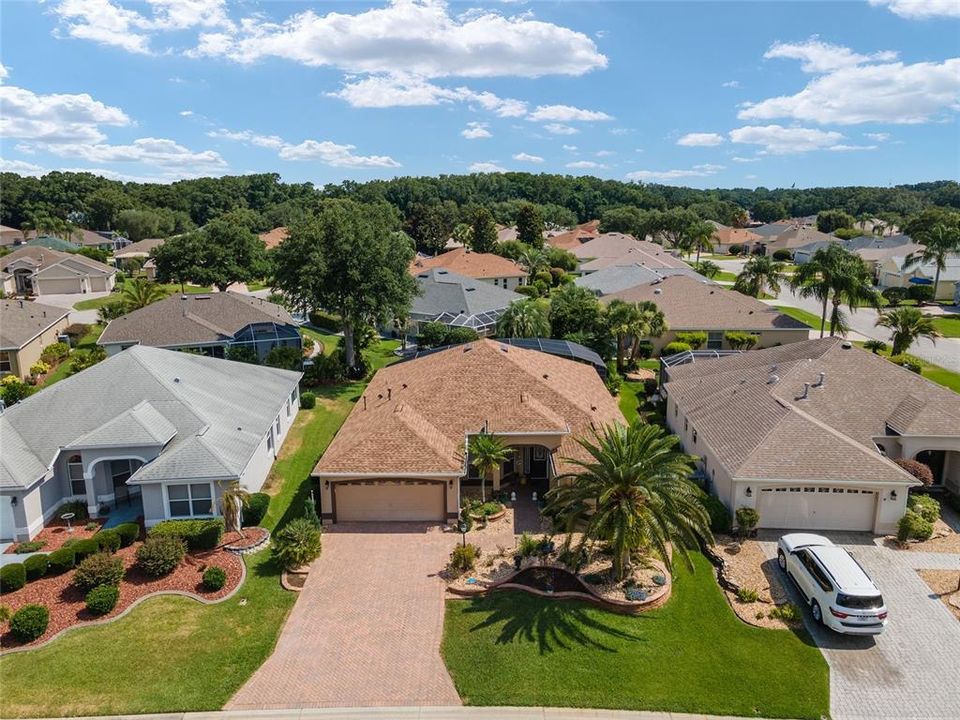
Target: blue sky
{"points": [[717, 94]]}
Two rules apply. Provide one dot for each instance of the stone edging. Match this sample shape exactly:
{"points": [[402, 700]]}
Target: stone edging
{"points": [[250, 549], [490, 518], [285, 583], [127, 610]]}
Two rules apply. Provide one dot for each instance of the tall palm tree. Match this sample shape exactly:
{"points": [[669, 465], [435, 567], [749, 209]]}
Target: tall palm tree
{"points": [[487, 453], [623, 319], [699, 237], [524, 318], [533, 260], [707, 268], [939, 243], [633, 492], [139, 293], [759, 274], [651, 322], [233, 500], [835, 274], [853, 287], [907, 324]]}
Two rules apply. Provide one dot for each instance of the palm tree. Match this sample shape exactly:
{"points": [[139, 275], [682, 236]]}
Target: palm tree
{"points": [[233, 499], [487, 453], [875, 346], [939, 243], [700, 237], [907, 324], [837, 275], [533, 260], [853, 287], [650, 323], [139, 293], [524, 318], [759, 274], [623, 318], [633, 492]]}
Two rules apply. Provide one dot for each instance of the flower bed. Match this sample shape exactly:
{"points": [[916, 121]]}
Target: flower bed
{"points": [[55, 534], [251, 539], [67, 608]]}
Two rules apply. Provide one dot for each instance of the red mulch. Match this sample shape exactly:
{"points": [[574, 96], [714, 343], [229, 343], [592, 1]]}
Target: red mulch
{"points": [[66, 602], [55, 534], [251, 536]]}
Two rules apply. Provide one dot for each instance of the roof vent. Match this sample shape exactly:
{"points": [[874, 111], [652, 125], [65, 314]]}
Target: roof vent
{"points": [[658, 291], [176, 380], [819, 383], [806, 392], [546, 377], [773, 379], [846, 344], [201, 297]]}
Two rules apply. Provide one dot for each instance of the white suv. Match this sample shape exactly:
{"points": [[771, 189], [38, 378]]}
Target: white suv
{"points": [[840, 593]]}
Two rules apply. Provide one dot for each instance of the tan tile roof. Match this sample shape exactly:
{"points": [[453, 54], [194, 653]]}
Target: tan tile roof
{"points": [[414, 416], [734, 236], [576, 237], [618, 249], [469, 263], [274, 237], [689, 304]]}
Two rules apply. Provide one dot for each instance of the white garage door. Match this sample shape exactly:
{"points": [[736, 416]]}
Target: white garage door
{"points": [[389, 501], [7, 529], [817, 508]]}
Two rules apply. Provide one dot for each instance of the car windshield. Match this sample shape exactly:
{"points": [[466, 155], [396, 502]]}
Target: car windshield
{"points": [[860, 602]]}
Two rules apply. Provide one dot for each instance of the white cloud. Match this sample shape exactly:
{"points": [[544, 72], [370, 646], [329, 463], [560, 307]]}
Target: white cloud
{"points": [[4, 72], [186, 113], [731, 84], [851, 148], [605, 153], [486, 167], [405, 90], [161, 152], [700, 140], [248, 137], [569, 148], [565, 114], [55, 118], [779, 140], [745, 160], [878, 136], [921, 9], [620, 131], [560, 129], [324, 151], [526, 157], [585, 165], [820, 57], [476, 131], [705, 170], [20, 167]]}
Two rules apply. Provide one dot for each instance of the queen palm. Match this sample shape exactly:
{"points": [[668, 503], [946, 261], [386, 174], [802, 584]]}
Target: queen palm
{"points": [[907, 324], [759, 274], [852, 287], [634, 491], [834, 275], [233, 499], [524, 318], [139, 293], [533, 260], [623, 318], [487, 453], [650, 323], [699, 237], [939, 243]]}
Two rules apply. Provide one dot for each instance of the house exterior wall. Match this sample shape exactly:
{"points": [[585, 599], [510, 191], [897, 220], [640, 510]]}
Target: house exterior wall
{"points": [[154, 508], [60, 286], [768, 338], [509, 283], [22, 359]]}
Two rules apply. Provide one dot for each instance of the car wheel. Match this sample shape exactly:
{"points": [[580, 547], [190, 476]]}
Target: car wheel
{"points": [[782, 560], [817, 612]]}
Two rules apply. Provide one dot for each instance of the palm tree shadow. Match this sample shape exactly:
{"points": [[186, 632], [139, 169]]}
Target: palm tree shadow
{"points": [[554, 624]]}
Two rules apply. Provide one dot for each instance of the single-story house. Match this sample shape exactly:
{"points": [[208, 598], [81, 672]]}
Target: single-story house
{"points": [[769, 230], [402, 453], [790, 239], [8, 284], [211, 324], [10, 236], [619, 249], [618, 278], [871, 249], [160, 430], [506, 233], [496, 270], [458, 301], [806, 433], [51, 242], [41, 271], [892, 273], [691, 305], [575, 237], [140, 250], [272, 238], [726, 237], [26, 328], [102, 239]]}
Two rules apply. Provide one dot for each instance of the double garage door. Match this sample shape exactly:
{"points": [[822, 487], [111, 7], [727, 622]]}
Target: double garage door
{"points": [[389, 501], [817, 508]]}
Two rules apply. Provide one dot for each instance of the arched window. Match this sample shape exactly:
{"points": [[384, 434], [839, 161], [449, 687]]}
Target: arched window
{"points": [[75, 472]]}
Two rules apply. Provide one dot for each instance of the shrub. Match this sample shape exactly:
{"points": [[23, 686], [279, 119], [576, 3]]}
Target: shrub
{"points": [[464, 558], [782, 255], [326, 321], [12, 577], [913, 526], [61, 560], [645, 350], [39, 368], [696, 339], [907, 362], [747, 595], [297, 544], [242, 353], [326, 370], [787, 612], [284, 357], [924, 506], [214, 578], [77, 507], [528, 290], [99, 569], [198, 534], [29, 622], [527, 545], [102, 599], [257, 506], [91, 526], [920, 293], [85, 548], [108, 540], [614, 380], [894, 295], [4, 613], [13, 390], [720, 520], [128, 532], [308, 401], [29, 546], [674, 347], [919, 470], [55, 353], [747, 519], [739, 340], [736, 249], [161, 554], [36, 566], [650, 386]]}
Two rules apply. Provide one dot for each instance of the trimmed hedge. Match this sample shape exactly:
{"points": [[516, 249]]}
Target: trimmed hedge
{"points": [[913, 526], [128, 532], [161, 554], [308, 400], [214, 578], [85, 548], [257, 506], [924, 506], [674, 347], [12, 577], [102, 599], [100, 569], [29, 622], [61, 560], [108, 540], [36, 566], [77, 507], [197, 534]]}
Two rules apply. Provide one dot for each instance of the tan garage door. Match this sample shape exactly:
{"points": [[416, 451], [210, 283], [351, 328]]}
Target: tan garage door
{"points": [[817, 508], [389, 501]]}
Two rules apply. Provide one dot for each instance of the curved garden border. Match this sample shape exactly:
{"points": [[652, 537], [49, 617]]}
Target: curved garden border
{"points": [[490, 518], [126, 611], [259, 545]]}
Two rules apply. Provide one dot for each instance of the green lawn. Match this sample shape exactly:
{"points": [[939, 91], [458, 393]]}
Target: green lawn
{"points": [[631, 398], [802, 315], [86, 343], [692, 655], [948, 325], [724, 276], [934, 373], [97, 303]]}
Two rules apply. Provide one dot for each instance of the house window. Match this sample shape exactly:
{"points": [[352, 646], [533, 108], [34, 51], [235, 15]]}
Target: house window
{"points": [[278, 425], [190, 500], [270, 440], [293, 395], [685, 424], [714, 340], [694, 437], [6, 366], [75, 472], [288, 408], [676, 409]]}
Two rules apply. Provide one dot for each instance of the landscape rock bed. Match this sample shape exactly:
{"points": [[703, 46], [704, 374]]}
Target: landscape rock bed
{"points": [[944, 585], [55, 534], [253, 539], [943, 540], [750, 568]]}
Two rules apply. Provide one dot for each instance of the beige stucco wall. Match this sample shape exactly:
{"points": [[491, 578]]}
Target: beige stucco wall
{"points": [[511, 283], [451, 490], [768, 338], [60, 286], [22, 360]]}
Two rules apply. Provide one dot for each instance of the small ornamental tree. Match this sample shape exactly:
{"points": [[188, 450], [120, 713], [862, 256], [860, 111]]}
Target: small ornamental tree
{"points": [[747, 520], [919, 470]]}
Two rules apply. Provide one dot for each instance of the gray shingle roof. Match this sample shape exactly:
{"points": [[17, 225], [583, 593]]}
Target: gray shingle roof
{"points": [[20, 322], [219, 409], [45, 258], [622, 277], [443, 291], [139, 249]]}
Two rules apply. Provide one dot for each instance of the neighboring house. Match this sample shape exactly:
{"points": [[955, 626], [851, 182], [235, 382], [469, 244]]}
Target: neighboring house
{"points": [[806, 433], [576, 237], [892, 273], [402, 454], [10, 236], [790, 239], [52, 243], [505, 234], [8, 284], [498, 271], [274, 237], [41, 271], [618, 278], [871, 249], [726, 237], [163, 430], [26, 328], [612, 249], [690, 305], [101, 239], [140, 251], [771, 230], [458, 301], [210, 324]]}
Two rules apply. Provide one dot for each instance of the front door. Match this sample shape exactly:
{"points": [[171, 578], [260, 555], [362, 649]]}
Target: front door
{"points": [[121, 470], [538, 462], [933, 459]]}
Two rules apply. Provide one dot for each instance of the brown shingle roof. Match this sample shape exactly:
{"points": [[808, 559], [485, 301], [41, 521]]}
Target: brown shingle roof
{"points": [[415, 415], [274, 237], [20, 321], [734, 236], [139, 248], [43, 258], [619, 249], [469, 263], [576, 237]]}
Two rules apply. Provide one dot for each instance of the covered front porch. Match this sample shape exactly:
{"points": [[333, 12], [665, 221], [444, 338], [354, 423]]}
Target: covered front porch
{"points": [[940, 454]]}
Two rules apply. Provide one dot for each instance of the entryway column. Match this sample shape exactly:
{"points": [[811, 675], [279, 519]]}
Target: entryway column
{"points": [[93, 507]]}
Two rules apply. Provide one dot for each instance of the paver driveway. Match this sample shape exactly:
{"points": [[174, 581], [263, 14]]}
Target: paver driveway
{"points": [[366, 628], [912, 670]]}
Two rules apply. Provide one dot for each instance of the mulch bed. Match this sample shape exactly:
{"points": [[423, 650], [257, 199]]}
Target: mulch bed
{"points": [[944, 585], [251, 536], [55, 534], [66, 602]]}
